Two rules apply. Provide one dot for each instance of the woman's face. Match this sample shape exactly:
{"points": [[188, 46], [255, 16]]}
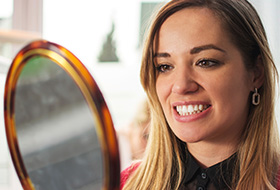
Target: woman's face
{"points": [[202, 83]]}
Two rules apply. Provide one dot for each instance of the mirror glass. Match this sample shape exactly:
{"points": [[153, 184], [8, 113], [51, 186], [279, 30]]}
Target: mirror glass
{"points": [[59, 129], [55, 129]]}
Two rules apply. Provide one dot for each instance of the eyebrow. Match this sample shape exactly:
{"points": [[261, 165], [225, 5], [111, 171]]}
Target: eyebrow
{"points": [[162, 55], [194, 50]]}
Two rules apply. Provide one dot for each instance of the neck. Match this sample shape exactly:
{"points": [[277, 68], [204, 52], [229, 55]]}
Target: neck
{"points": [[208, 154]]}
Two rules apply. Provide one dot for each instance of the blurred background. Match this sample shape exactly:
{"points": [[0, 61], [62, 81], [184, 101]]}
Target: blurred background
{"points": [[106, 36]]}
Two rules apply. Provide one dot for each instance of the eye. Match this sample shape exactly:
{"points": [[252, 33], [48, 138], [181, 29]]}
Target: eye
{"points": [[145, 137], [163, 68], [206, 63]]}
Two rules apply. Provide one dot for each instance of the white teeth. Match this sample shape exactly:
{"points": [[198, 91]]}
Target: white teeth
{"points": [[195, 108], [179, 108], [184, 109], [190, 109]]}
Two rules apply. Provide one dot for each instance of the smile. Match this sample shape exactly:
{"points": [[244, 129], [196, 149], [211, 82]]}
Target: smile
{"points": [[184, 110]]}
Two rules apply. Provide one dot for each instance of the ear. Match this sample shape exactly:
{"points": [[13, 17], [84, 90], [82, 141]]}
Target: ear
{"points": [[258, 73]]}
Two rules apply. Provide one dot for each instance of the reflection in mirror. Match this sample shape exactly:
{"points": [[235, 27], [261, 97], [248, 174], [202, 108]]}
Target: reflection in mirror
{"points": [[55, 129]]}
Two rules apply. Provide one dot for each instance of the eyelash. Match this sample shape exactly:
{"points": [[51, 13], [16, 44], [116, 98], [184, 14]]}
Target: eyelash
{"points": [[203, 63], [161, 68], [207, 63]]}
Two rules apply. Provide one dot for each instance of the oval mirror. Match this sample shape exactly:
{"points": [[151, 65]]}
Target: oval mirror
{"points": [[59, 129]]}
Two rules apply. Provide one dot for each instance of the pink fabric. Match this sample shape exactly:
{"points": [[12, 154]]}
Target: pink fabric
{"points": [[127, 172]]}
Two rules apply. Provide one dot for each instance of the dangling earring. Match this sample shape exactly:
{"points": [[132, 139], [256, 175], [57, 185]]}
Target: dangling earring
{"points": [[256, 98]]}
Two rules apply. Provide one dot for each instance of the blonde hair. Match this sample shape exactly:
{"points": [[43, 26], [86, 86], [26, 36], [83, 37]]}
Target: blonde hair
{"points": [[258, 157]]}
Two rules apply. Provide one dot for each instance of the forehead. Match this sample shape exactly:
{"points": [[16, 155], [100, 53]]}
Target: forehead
{"points": [[195, 25]]}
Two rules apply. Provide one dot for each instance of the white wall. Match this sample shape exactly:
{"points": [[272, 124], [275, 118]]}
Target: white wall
{"points": [[81, 26], [269, 13]]}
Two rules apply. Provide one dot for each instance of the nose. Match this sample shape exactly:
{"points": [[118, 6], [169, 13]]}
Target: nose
{"points": [[184, 82]]}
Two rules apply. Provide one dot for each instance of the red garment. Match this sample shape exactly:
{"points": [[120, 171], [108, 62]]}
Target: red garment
{"points": [[127, 172]]}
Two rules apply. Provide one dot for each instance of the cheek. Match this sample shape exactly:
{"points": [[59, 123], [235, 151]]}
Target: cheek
{"points": [[232, 91], [135, 139], [162, 90]]}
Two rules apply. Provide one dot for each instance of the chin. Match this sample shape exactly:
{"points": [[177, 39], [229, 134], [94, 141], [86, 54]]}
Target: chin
{"points": [[190, 138]]}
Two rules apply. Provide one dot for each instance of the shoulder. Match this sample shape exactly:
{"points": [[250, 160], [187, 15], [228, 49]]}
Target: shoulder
{"points": [[127, 172]]}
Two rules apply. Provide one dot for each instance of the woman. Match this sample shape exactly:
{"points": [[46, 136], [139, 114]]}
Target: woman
{"points": [[210, 78], [133, 138]]}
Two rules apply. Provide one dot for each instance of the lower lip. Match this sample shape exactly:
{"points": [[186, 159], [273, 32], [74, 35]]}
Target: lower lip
{"points": [[193, 117]]}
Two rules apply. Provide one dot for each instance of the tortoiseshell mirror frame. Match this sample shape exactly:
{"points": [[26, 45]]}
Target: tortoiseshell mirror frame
{"points": [[104, 125]]}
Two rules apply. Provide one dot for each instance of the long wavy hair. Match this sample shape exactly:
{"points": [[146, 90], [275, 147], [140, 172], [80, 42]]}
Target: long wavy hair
{"points": [[258, 151]]}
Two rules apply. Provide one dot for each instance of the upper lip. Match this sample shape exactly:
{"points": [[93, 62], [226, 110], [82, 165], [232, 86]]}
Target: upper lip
{"points": [[181, 103]]}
